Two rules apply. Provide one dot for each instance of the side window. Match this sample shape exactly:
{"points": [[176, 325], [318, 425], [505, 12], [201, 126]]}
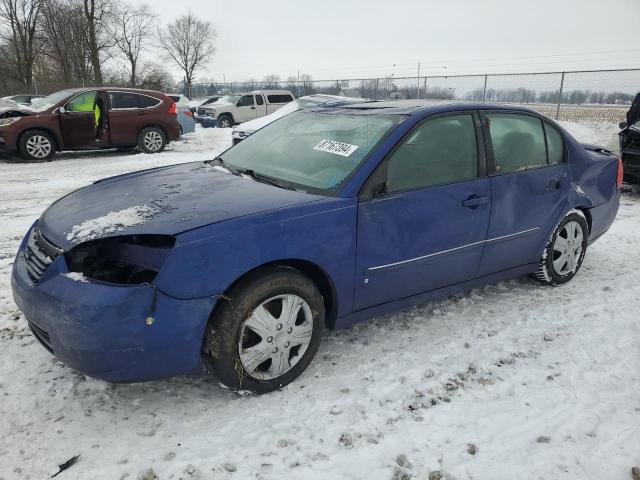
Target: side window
{"points": [[279, 98], [82, 103], [555, 145], [147, 102], [442, 150], [518, 141], [120, 100], [259, 100], [245, 101]]}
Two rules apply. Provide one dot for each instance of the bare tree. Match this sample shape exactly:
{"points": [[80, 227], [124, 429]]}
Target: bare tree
{"points": [[133, 28], [21, 35], [271, 81], [189, 43], [98, 14]]}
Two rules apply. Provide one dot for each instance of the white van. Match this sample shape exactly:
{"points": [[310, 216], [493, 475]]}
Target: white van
{"points": [[241, 107]]}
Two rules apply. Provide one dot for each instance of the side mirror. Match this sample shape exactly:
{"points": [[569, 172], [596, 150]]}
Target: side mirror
{"points": [[62, 110], [374, 190], [622, 125]]}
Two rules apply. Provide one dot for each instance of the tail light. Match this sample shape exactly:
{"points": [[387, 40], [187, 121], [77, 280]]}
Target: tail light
{"points": [[173, 109], [620, 173]]}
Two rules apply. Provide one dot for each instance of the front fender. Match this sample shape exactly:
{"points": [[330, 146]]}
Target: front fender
{"points": [[207, 260]]}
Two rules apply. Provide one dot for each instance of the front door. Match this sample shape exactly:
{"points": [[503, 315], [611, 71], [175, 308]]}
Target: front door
{"points": [[427, 229], [529, 182], [78, 121], [245, 109]]}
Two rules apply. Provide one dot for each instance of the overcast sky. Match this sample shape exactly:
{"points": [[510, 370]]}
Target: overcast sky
{"points": [[341, 39]]}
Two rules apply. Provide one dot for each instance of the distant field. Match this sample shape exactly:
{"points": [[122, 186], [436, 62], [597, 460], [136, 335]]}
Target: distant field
{"points": [[578, 113]]}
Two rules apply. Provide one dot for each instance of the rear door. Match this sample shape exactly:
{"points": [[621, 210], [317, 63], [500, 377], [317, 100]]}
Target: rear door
{"points": [[529, 187], [261, 106], [78, 122], [129, 113], [427, 229]]}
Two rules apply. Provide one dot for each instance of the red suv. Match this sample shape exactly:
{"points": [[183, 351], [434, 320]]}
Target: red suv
{"points": [[89, 118]]}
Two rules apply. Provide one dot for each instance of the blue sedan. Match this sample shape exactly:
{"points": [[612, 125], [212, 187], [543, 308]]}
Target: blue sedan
{"points": [[322, 219]]}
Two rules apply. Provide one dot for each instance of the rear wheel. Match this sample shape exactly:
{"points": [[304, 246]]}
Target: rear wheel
{"points": [[565, 251], [266, 331], [152, 140], [37, 145]]}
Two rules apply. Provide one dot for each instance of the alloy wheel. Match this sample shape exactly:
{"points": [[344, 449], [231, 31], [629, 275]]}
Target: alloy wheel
{"points": [[567, 248], [38, 146], [153, 141], [275, 336]]}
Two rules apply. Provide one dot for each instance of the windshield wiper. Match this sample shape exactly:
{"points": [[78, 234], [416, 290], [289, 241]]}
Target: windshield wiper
{"points": [[220, 162], [258, 177]]}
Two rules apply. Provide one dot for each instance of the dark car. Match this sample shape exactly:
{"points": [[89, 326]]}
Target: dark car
{"points": [[89, 118], [630, 143], [323, 218]]}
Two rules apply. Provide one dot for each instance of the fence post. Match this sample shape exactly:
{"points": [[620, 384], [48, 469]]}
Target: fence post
{"points": [[375, 93], [560, 96], [337, 87], [484, 90]]}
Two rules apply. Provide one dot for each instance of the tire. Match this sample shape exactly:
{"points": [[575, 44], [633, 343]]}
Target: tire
{"points": [[564, 253], [37, 145], [224, 121], [152, 140], [285, 345]]}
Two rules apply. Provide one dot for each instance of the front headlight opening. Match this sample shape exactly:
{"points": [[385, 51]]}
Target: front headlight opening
{"points": [[125, 260]]}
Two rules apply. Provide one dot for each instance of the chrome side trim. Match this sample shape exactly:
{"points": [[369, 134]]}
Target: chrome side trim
{"points": [[453, 249], [512, 235], [426, 256]]}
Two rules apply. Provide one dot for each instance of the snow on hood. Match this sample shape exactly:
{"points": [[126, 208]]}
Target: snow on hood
{"points": [[165, 200]]}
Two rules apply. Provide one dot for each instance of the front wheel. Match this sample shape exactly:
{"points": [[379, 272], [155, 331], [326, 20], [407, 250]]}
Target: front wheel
{"points": [[224, 121], [37, 145], [266, 331], [565, 251], [152, 140]]}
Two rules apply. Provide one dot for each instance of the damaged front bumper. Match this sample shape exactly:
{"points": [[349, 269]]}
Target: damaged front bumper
{"points": [[117, 333]]}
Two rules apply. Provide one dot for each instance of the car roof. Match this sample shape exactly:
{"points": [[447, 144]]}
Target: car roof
{"points": [[409, 107]]}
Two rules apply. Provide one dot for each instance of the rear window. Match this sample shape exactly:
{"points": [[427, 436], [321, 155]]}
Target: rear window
{"points": [[123, 100], [146, 102], [279, 98], [518, 142]]}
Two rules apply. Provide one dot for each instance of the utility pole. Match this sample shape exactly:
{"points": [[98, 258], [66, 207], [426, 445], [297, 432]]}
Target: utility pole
{"points": [[299, 84], [418, 95]]}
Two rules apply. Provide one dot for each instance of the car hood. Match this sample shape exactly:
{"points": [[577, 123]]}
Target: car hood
{"points": [[166, 200], [8, 111], [215, 106]]}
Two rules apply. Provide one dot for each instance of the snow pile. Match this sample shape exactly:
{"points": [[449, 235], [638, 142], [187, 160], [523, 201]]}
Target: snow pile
{"points": [[76, 277], [111, 222]]}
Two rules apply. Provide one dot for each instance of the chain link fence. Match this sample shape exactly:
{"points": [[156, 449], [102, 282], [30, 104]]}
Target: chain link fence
{"points": [[596, 95]]}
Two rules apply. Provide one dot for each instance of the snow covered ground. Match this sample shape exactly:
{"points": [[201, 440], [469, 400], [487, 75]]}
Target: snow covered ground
{"points": [[510, 381]]}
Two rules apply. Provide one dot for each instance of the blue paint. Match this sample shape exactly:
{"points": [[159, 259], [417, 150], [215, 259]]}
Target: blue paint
{"points": [[378, 254]]}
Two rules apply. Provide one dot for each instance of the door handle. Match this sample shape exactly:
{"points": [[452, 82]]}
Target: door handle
{"points": [[475, 201], [253, 108], [553, 185]]}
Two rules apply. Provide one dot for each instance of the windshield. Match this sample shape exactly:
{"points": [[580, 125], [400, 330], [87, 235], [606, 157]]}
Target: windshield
{"points": [[50, 100], [228, 99], [311, 149]]}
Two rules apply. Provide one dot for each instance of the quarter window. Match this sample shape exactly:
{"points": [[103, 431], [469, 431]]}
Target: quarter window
{"points": [[518, 142], [442, 150]]}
